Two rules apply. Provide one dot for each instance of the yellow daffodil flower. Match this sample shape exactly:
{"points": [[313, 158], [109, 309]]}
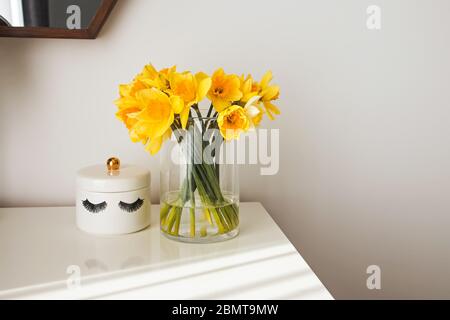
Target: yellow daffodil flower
{"points": [[191, 89], [127, 103], [269, 93], [151, 78], [232, 121], [157, 113], [157, 101], [225, 89]]}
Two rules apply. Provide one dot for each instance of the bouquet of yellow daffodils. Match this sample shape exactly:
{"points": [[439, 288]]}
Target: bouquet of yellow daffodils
{"points": [[157, 105]]}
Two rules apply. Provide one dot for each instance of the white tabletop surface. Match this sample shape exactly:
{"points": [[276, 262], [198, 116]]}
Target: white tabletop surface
{"points": [[42, 252]]}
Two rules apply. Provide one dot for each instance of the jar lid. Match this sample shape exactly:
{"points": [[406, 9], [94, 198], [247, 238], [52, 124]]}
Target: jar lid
{"points": [[113, 177]]}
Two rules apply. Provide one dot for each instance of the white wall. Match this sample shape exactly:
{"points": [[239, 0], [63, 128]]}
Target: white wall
{"points": [[365, 132], [5, 10]]}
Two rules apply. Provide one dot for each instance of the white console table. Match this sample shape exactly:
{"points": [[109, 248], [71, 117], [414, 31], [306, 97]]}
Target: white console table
{"points": [[44, 256]]}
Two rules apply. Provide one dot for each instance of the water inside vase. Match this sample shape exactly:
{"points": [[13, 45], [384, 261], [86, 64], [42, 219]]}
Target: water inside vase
{"points": [[197, 221]]}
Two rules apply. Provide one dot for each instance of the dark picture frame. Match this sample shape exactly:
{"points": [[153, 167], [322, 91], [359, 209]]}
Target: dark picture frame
{"points": [[91, 32]]}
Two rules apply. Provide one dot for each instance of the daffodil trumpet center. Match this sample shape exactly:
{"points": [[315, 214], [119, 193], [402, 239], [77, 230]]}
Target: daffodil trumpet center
{"points": [[218, 91]]}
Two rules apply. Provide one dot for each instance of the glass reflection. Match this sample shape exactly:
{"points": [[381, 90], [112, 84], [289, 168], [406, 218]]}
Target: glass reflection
{"points": [[65, 14]]}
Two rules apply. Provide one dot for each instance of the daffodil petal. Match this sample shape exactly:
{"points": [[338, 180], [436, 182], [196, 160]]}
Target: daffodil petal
{"points": [[203, 87], [184, 116], [143, 96], [157, 129], [124, 90], [252, 100], [151, 83], [154, 145], [246, 97], [201, 76], [221, 105], [247, 86], [150, 69], [272, 108], [137, 132], [219, 72], [270, 93], [177, 104], [251, 111], [266, 79], [236, 95]]}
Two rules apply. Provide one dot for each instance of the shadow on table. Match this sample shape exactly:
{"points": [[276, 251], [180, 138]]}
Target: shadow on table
{"points": [[109, 281]]}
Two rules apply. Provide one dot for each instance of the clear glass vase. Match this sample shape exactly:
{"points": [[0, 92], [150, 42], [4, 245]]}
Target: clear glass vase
{"points": [[199, 192]]}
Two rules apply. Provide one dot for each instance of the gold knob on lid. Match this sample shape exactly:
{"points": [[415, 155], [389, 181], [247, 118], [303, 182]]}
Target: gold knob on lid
{"points": [[113, 164]]}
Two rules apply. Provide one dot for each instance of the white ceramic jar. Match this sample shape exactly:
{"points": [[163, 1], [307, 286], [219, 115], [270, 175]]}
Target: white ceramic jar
{"points": [[112, 199]]}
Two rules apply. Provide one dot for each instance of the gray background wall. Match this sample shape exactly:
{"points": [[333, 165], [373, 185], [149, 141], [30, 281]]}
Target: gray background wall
{"points": [[365, 132]]}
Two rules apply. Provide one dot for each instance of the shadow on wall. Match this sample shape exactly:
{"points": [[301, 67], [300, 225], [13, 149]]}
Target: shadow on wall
{"points": [[14, 57]]}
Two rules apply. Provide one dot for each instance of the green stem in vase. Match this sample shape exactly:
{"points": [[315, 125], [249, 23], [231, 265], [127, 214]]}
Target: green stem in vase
{"points": [[211, 107], [177, 222], [218, 221], [171, 220], [192, 213], [165, 208], [203, 178]]}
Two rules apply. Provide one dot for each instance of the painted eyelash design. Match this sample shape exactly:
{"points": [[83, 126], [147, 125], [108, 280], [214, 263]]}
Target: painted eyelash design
{"points": [[131, 207], [92, 207]]}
